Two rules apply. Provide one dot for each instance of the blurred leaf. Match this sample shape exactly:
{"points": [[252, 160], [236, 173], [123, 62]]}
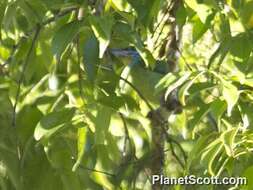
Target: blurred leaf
{"points": [[199, 146], [177, 83], [64, 36], [102, 28], [120, 5], [152, 11], [248, 173], [101, 179], [230, 94], [218, 107], [184, 89], [210, 154], [91, 58], [228, 139], [82, 141], [3, 5], [242, 46], [52, 123], [199, 115], [181, 15], [101, 122], [199, 28]]}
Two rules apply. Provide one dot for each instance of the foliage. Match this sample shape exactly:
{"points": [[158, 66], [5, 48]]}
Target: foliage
{"points": [[74, 106]]}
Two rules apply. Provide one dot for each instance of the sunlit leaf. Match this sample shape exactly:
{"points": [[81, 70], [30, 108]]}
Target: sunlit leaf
{"points": [[184, 89], [228, 139], [52, 123], [230, 94], [102, 28]]}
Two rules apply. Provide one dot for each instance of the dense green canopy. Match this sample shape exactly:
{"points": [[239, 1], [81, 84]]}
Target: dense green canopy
{"points": [[102, 94]]}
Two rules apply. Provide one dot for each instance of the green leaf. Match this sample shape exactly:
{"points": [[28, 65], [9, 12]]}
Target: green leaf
{"points": [[3, 5], [228, 139], [210, 154], [91, 58], [178, 83], [101, 123], [231, 95], [199, 115], [9, 15], [120, 5], [184, 89], [248, 173], [59, 153], [64, 36], [198, 147], [52, 123], [152, 8], [82, 141], [218, 107], [241, 46], [102, 28], [145, 80], [181, 15], [200, 28]]}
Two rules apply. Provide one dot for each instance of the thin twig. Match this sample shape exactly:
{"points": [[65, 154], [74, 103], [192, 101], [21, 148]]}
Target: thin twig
{"points": [[98, 171], [171, 140], [138, 92], [21, 79], [127, 138], [162, 19], [175, 155], [184, 59], [130, 84]]}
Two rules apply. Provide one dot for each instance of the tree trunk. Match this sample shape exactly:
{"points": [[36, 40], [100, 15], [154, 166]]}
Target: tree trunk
{"points": [[157, 118]]}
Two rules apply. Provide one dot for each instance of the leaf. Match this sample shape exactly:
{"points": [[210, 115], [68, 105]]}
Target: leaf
{"points": [[231, 95], [242, 46], [248, 173], [145, 80], [178, 83], [91, 58], [184, 89], [200, 28], [9, 15], [228, 139], [52, 123], [210, 153], [218, 107], [198, 147], [166, 81], [152, 8], [3, 5], [181, 15], [102, 28], [121, 5], [59, 153], [199, 115], [64, 36], [101, 123], [101, 179], [81, 142]]}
